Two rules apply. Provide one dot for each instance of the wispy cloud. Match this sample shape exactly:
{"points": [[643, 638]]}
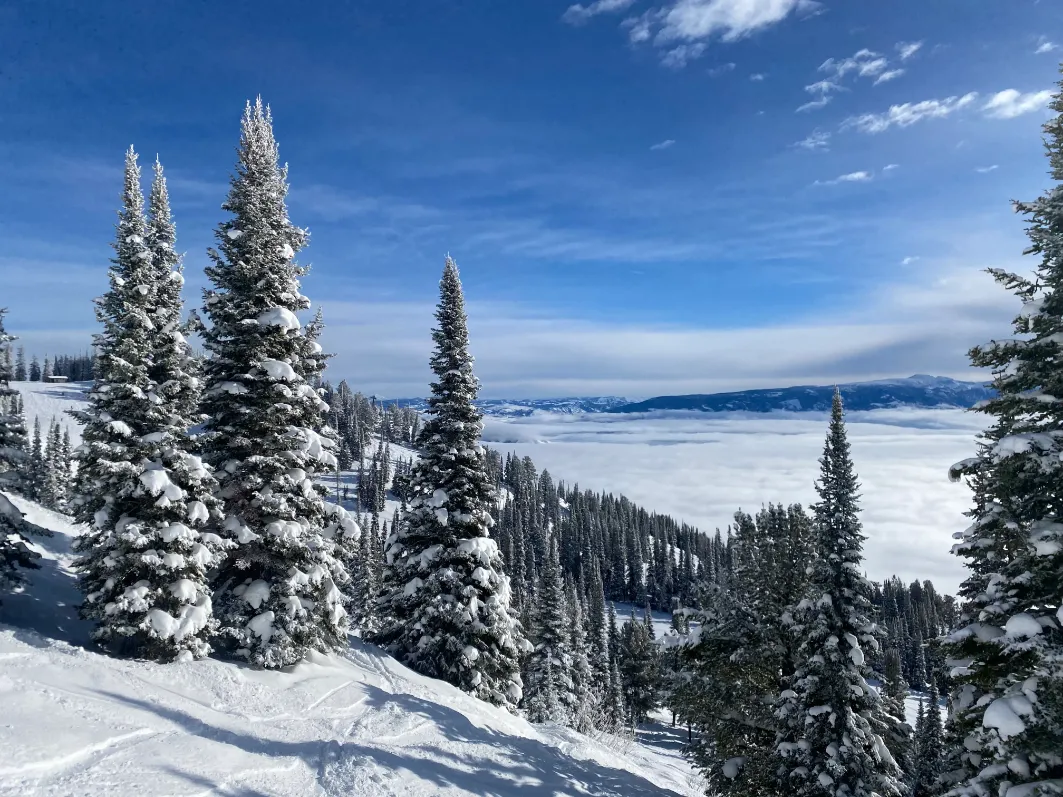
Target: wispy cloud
{"points": [[909, 113], [862, 64], [731, 20], [812, 105], [1045, 46], [578, 14], [682, 54], [823, 90], [1010, 103], [889, 167], [722, 69], [816, 141], [889, 75], [757, 77], [851, 177], [865, 63], [906, 50], [987, 169], [699, 21], [909, 260], [668, 142]]}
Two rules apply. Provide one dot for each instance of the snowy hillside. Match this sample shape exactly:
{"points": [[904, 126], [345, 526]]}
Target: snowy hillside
{"points": [[77, 722], [45, 401]]}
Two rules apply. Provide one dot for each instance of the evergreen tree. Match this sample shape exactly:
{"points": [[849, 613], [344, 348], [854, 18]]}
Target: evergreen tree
{"points": [[36, 475], [20, 372], [637, 663], [828, 744], [929, 742], [144, 562], [15, 553], [550, 694], [1007, 699], [278, 592], [584, 707], [35, 369], [14, 456], [446, 600]]}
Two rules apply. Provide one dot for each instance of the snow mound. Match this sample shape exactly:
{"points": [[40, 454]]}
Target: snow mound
{"points": [[359, 724]]}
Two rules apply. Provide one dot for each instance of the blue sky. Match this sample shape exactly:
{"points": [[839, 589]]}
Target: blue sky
{"points": [[638, 200]]}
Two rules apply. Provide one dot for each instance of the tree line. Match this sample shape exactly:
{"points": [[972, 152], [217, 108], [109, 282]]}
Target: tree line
{"points": [[75, 367]]}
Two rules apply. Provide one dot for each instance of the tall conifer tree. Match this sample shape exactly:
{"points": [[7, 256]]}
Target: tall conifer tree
{"points": [[144, 562], [1008, 653], [15, 553], [828, 744], [279, 589], [446, 600]]}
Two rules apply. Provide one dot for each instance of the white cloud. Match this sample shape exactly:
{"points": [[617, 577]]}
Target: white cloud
{"points": [[907, 49], [757, 77], [851, 177], [909, 113], [578, 14], [890, 167], [1010, 103], [812, 105], [701, 20], [909, 260], [889, 75], [865, 63], [722, 69], [1045, 46], [668, 142], [816, 141], [693, 20], [987, 169], [823, 88], [682, 54]]}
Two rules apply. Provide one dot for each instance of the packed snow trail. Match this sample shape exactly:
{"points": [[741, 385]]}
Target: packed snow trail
{"points": [[76, 722]]}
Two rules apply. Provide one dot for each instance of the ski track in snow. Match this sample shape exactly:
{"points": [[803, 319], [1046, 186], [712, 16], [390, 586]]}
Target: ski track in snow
{"points": [[77, 722]]}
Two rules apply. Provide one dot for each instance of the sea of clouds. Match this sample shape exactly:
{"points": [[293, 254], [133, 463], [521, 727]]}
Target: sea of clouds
{"points": [[702, 467]]}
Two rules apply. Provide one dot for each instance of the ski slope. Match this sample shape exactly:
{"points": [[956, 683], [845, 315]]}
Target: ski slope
{"points": [[44, 401], [76, 722]]}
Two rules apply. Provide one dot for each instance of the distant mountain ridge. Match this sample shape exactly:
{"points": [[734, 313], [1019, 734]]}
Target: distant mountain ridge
{"points": [[519, 408], [920, 390]]}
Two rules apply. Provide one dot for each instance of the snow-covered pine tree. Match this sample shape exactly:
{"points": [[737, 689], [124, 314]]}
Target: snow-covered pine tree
{"points": [[929, 747], [584, 709], [638, 669], [14, 447], [445, 600], [15, 553], [829, 713], [731, 667], [278, 592], [35, 475], [550, 692], [35, 369], [144, 562], [1007, 656], [20, 366]]}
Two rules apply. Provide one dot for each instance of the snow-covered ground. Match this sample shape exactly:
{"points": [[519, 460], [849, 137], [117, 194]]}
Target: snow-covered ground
{"points": [[80, 723], [45, 401]]}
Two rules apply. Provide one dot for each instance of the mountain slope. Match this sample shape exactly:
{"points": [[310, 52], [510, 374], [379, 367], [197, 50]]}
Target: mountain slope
{"points": [[915, 391], [78, 722]]}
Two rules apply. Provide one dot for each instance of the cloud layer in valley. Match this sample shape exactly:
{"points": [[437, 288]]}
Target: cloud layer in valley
{"points": [[702, 468]]}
